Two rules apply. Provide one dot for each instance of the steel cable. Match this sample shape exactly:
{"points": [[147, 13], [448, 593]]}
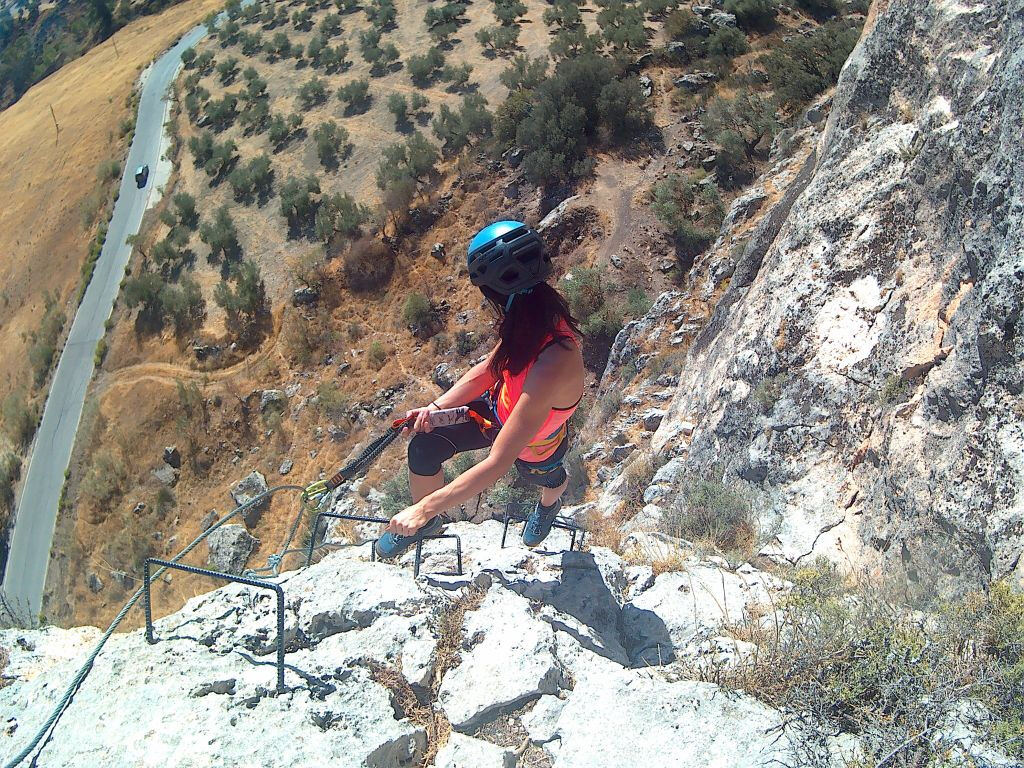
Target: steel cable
{"points": [[79, 678], [354, 467]]}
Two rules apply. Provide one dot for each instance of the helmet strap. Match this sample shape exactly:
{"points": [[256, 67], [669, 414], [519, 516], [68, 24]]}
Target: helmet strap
{"points": [[512, 296]]}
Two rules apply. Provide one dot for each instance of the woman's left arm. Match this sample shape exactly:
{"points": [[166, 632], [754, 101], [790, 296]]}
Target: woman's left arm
{"points": [[527, 417]]}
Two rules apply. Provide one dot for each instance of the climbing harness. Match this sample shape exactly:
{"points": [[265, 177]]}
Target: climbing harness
{"points": [[315, 492]]}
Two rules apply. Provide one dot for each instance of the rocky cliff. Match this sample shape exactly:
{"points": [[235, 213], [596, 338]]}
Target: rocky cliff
{"points": [[528, 656], [861, 376], [859, 381]]}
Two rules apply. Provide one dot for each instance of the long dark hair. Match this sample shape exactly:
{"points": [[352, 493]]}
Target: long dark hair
{"points": [[531, 320]]}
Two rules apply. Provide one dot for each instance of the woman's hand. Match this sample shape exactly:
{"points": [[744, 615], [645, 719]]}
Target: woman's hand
{"points": [[420, 419], [410, 519]]}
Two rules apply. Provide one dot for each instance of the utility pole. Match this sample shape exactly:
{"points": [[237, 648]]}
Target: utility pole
{"points": [[116, 52]]}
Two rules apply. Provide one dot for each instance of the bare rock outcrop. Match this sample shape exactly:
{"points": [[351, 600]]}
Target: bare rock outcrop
{"points": [[544, 646], [861, 378]]}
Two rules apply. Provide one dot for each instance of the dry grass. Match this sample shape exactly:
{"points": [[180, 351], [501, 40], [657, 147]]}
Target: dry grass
{"points": [[848, 656], [45, 177], [420, 709], [5, 658], [604, 531]]}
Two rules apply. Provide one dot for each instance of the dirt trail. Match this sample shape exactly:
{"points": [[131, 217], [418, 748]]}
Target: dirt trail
{"points": [[172, 373], [614, 188]]}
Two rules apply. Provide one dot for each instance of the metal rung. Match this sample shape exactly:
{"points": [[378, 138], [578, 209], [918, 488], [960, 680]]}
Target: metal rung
{"points": [[517, 512], [277, 588], [419, 552], [338, 516]]}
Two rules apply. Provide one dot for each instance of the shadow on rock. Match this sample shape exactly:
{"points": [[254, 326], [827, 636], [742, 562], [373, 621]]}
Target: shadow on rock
{"points": [[587, 607]]}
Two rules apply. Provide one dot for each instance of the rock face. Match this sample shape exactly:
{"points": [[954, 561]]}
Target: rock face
{"points": [[861, 379], [230, 547], [544, 647], [247, 489]]}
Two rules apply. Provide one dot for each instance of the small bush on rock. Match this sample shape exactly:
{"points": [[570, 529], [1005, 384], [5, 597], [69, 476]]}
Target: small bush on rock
{"points": [[803, 67]]}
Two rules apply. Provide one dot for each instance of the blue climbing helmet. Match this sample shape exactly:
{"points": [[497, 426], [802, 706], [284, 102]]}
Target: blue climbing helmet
{"points": [[508, 257]]}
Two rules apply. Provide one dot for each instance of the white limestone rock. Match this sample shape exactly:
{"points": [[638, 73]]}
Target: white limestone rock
{"points": [[631, 718], [507, 660], [463, 751]]}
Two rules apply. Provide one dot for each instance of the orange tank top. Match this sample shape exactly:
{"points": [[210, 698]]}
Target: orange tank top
{"points": [[554, 428]]}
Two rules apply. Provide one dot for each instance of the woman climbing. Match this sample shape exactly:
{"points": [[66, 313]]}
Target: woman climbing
{"points": [[523, 394]]}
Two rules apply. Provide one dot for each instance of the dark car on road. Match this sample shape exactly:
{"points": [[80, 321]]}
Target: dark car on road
{"points": [[141, 176]]}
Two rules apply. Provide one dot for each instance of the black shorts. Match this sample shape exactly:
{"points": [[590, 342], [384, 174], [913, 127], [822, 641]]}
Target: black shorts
{"points": [[429, 450]]}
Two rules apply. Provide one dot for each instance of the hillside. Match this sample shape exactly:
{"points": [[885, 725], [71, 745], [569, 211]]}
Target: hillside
{"points": [[192, 377], [799, 465], [37, 39], [58, 187]]}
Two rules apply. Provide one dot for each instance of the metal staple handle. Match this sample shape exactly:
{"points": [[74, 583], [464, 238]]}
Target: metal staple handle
{"points": [[277, 588]]}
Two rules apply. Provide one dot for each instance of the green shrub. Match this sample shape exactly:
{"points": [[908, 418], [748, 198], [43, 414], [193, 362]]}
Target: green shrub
{"points": [[43, 347], [425, 67], [164, 501], [728, 42], [465, 343], [767, 392], [714, 514], [220, 234], [524, 73], [820, 9], [738, 125], [331, 401], [803, 67], [312, 92], [456, 129], [852, 657], [638, 302], [396, 493], [106, 479], [377, 355], [331, 141], [893, 390], [20, 418], [753, 14], [623, 25], [692, 212], [560, 119], [356, 96], [108, 171], [298, 204], [588, 301], [10, 472], [339, 215], [417, 310], [399, 107], [243, 299]]}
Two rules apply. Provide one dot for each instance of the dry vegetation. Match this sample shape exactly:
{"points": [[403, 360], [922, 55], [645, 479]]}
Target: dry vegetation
{"points": [[57, 187], [848, 653], [420, 707], [352, 343]]}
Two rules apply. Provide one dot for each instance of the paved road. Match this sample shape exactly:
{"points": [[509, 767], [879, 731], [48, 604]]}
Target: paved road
{"points": [[36, 517]]}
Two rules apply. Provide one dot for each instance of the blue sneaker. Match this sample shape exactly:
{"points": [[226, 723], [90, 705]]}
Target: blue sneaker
{"points": [[538, 524], [393, 544]]}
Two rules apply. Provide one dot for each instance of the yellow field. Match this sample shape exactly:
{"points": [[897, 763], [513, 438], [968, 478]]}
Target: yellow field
{"points": [[45, 177]]}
